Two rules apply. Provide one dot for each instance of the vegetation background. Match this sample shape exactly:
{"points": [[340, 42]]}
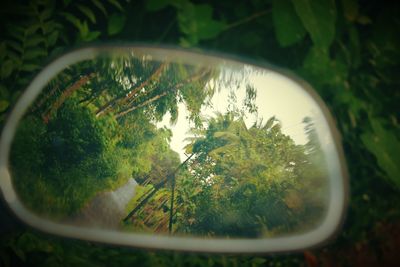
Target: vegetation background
{"points": [[347, 49]]}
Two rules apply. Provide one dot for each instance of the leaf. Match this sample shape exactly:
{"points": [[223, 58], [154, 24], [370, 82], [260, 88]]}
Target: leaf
{"points": [[50, 26], [100, 6], [116, 23], [34, 41], [155, 5], [88, 12], [116, 4], [16, 46], [3, 50], [71, 18], [32, 29], [46, 14], [92, 36], [350, 8], [3, 105], [52, 38], [7, 68], [386, 148], [16, 31], [288, 27], [34, 53], [319, 18], [29, 67], [319, 67], [197, 23]]}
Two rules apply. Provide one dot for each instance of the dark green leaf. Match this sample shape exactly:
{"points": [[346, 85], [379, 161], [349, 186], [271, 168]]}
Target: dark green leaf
{"points": [[34, 41], [29, 67], [34, 53], [155, 5], [116, 4], [71, 18], [288, 27], [386, 148], [52, 38], [318, 18], [16, 46], [88, 12], [46, 13], [3, 50], [7, 68], [3, 105], [116, 23], [350, 8], [32, 29], [92, 36], [100, 6]]}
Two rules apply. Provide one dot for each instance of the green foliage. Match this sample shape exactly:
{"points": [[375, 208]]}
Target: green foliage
{"points": [[288, 27]]}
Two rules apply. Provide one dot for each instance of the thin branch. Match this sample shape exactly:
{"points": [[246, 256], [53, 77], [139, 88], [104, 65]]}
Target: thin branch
{"points": [[135, 90], [248, 19]]}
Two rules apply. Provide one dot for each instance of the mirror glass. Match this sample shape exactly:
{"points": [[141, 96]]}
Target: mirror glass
{"points": [[174, 143]]}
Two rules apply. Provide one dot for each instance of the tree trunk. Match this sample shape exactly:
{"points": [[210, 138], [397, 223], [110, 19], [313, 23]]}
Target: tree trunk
{"points": [[56, 105]]}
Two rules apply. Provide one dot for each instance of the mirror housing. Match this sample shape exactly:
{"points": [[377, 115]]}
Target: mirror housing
{"points": [[333, 161]]}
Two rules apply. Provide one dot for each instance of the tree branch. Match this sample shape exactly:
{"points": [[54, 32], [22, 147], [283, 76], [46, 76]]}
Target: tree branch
{"points": [[122, 99], [78, 84]]}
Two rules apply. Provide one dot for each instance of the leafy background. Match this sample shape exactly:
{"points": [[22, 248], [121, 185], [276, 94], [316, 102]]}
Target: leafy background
{"points": [[347, 49]]}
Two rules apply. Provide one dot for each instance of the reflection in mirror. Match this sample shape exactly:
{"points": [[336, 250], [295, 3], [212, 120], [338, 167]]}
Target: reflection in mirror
{"points": [[135, 141]]}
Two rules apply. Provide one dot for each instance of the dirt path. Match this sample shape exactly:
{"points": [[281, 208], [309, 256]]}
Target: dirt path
{"points": [[106, 210]]}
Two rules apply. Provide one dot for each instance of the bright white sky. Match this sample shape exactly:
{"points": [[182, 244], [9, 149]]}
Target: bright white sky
{"points": [[276, 96]]}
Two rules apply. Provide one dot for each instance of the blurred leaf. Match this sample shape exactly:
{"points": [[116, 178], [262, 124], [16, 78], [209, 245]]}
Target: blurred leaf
{"points": [[7, 68], [34, 53], [29, 67], [3, 105], [288, 27], [92, 36], [88, 12], [318, 18], [320, 68], [116, 4], [52, 39], [155, 5], [3, 50], [197, 23], [350, 8], [71, 18], [100, 6], [386, 148], [116, 23], [34, 41], [16, 46], [46, 13]]}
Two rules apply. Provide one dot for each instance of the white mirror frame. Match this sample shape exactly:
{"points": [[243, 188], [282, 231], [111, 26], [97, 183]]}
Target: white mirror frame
{"points": [[338, 178]]}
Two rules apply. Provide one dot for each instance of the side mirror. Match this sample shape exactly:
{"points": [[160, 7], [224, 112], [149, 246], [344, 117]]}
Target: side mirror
{"points": [[171, 149]]}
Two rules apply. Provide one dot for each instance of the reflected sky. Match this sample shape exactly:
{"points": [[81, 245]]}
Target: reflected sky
{"points": [[276, 96]]}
